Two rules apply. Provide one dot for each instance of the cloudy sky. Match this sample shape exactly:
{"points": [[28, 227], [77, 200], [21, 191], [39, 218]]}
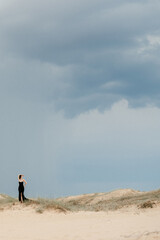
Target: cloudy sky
{"points": [[79, 95]]}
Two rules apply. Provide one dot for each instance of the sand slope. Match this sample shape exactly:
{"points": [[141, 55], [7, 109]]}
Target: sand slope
{"points": [[132, 224], [94, 198]]}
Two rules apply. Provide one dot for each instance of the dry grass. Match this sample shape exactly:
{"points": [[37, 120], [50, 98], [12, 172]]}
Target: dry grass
{"points": [[7, 200], [85, 203], [88, 202], [42, 205], [147, 204]]}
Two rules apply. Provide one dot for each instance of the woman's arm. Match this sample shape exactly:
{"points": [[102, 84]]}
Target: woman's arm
{"points": [[24, 181]]}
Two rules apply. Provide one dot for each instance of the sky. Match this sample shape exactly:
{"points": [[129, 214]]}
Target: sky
{"points": [[79, 96]]}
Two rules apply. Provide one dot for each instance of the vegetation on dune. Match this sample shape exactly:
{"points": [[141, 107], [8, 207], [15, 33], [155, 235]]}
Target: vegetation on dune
{"points": [[85, 203], [88, 202], [42, 204], [5, 199]]}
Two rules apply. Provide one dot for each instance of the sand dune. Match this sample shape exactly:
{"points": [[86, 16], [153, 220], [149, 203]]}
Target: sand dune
{"points": [[22, 222], [99, 197], [1, 196], [112, 200]]}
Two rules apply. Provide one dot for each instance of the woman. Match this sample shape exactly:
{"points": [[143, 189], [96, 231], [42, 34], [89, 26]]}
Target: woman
{"points": [[21, 180]]}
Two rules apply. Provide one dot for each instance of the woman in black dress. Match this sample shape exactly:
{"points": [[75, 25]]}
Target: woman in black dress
{"points": [[21, 180]]}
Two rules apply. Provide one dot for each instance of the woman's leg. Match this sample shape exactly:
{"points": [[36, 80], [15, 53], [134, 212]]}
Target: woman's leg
{"points": [[21, 198]]}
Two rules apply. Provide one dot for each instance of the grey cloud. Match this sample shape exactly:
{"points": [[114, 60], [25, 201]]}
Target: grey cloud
{"points": [[94, 37], [53, 33], [59, 59], [34, 81]]}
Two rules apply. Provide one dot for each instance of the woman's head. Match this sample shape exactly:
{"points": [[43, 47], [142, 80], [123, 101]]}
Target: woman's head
{"points": [[20, 176]]}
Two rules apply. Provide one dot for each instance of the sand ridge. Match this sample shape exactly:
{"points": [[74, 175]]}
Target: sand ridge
{"points": [[1, 196], [108, 195], [98, 200]]}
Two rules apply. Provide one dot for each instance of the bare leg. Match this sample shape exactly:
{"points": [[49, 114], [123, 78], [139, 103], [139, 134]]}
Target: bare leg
{"points": [[21, 198]]}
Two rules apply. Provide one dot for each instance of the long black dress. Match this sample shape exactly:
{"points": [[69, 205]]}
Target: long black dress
{"points": [[21, 191]]}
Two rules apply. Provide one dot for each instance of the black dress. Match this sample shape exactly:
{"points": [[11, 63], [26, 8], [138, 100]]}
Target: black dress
{"points": [[21, 191]]}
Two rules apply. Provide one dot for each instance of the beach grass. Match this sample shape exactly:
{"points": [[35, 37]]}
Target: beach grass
{"points": [[42, 204], [87, 202], [5, 199]]}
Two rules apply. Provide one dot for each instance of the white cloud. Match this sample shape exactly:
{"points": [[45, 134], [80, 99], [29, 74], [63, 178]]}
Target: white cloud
{"points": [[153, 40], [148, 44], [119, 134], [121, 140]]}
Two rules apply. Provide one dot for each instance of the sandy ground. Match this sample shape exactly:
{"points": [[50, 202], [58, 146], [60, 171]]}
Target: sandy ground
{"points": [[23, 223]]}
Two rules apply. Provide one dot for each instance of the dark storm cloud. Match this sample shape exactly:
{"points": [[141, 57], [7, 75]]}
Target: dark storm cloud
{"points": [[67, 32], [99, 39]]}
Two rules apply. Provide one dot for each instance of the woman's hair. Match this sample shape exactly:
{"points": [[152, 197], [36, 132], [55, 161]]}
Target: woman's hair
{"points": [[20, 176]]}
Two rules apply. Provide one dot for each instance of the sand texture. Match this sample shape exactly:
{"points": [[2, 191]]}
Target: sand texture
{"points": [[22, 222]]}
